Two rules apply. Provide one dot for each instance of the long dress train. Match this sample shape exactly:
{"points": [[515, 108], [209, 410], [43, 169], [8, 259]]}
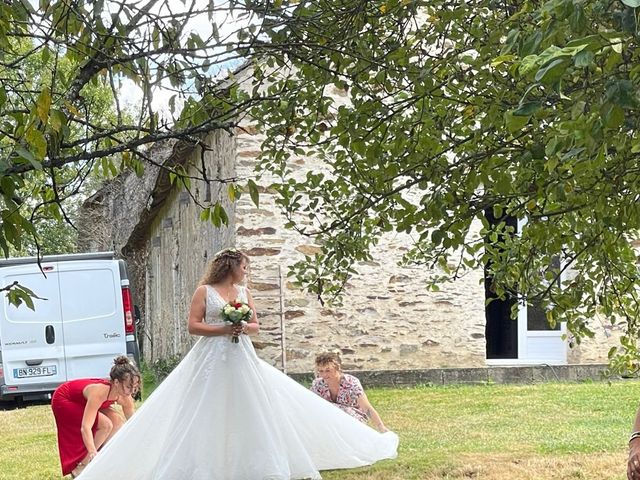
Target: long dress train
{"points": [[224, 414]]}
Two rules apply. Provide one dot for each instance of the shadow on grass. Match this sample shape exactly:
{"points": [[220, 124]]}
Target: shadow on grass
{"points": [[19, 403]]}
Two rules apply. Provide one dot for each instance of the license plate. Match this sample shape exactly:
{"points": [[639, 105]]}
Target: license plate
{"points": [[28, 372]]}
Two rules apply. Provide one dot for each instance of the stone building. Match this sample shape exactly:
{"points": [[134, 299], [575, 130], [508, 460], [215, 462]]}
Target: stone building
{"points": [[156, 227], [389, 321]]}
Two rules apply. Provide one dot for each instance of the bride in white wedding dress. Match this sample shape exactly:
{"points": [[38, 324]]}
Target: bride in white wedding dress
{"points": [[224, 414]]}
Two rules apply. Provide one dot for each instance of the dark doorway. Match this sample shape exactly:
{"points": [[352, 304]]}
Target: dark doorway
{"points": [[501, 332]]}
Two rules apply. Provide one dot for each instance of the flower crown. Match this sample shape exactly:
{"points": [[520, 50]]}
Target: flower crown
{"points": [[225, 251]]}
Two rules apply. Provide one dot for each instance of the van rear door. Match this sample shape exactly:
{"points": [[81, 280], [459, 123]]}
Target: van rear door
{"points": [[33, 349], [93, 317]]}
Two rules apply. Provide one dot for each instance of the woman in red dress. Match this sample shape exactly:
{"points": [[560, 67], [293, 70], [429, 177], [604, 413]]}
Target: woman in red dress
{"points": [[83, 415]]}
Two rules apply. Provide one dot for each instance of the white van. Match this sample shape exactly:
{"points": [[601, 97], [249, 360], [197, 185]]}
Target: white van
{"points": [[83, 319]]}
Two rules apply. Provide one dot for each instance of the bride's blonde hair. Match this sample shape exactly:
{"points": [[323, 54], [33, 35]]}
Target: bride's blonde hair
{"points": [[222, 265]]}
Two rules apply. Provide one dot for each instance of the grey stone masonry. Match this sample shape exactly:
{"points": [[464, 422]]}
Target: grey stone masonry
{"points": [[481, 375]]}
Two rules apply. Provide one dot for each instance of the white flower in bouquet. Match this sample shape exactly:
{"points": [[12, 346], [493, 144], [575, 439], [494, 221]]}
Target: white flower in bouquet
{"points": [[236, 313]]}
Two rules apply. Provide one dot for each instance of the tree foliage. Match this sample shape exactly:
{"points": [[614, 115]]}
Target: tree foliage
{"points": [[67, 70], [455, 112], [456, 109]]}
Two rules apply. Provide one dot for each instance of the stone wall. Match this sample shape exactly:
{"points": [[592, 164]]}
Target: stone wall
{"points": [[157, 229], [179, 247], [475, 375], [390, 320]]}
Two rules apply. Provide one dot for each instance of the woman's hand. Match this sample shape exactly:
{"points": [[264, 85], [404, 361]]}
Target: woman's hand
{"points": [[236, 330]]}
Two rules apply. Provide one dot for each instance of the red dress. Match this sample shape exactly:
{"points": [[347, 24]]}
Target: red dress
{"points": [[68, 404]]}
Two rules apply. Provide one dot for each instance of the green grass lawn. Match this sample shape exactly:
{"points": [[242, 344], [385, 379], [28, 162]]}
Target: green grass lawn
{"points": [[488, 432]]}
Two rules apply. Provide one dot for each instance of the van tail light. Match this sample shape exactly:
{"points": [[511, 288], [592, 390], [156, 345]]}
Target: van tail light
{"points": [[129, 325]]}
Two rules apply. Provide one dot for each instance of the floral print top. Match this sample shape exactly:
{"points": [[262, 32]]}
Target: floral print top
{"points": [[349, 391]]}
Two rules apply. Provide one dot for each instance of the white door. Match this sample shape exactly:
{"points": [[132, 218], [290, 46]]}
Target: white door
{"points": [[33, 341], [93, 326], [533, 341], [537, 342]]}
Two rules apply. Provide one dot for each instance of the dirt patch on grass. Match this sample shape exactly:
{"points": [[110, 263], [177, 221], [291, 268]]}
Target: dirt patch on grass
{"points": [[606, 466]]}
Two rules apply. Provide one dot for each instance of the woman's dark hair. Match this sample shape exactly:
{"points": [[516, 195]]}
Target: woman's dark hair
{"points": [[124, 369], [222, 265]]}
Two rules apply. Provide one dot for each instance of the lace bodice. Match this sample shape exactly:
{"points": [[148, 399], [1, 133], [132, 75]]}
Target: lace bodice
{"points": [[215, 303]]}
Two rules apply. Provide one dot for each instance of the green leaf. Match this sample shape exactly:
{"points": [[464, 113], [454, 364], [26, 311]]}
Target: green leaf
{"points": [[527, 109], [578, 20], [552, 71], [253, 192], [550, 319], [584, 58], [537, 151], [38, 143], [436, 237], [512, 40], [531, 44], [27, 155], [215, 31], [10, 231], [19, 294], [215, 217], [221, 213], [28, 300], [623, 93], [502, 59], [528, 64], [616, 45], [632, 3], [46, 55], [613, 115], [515, 123], [44, 104], [502, 185], [629, 21], [27, 5], [57, 120]]}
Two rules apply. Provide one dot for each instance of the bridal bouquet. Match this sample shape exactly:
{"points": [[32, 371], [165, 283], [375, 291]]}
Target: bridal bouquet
{"points": [[236, 313]]}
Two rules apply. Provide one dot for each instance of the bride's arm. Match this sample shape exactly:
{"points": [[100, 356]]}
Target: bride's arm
{"points": [[253, 326], [196, 325]]}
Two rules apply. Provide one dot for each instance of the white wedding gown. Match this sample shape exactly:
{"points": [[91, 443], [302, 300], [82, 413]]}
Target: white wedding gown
{"points": [[224, 414]]}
